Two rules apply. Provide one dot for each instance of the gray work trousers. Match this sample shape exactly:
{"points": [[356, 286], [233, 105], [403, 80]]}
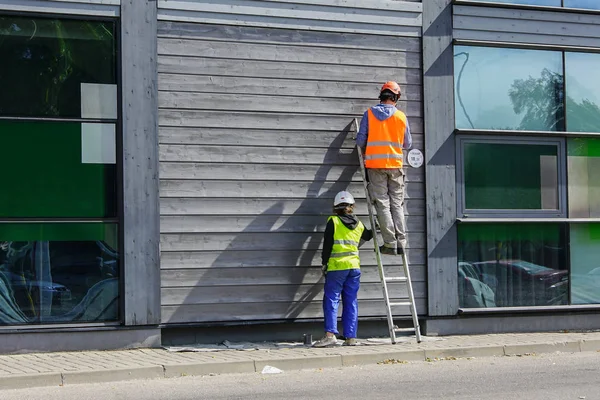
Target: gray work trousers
{"points": [[386, 187]]}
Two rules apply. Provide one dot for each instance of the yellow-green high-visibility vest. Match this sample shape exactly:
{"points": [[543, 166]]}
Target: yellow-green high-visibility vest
{"points": [[344, 254]]}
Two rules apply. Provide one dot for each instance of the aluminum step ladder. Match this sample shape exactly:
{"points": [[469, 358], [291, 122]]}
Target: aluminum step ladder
{"points": [[384, 279]]}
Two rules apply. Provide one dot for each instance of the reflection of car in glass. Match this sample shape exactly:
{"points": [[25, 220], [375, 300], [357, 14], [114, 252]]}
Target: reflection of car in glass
{"points": [[471, 291], [521, 283], [22, 288], [58, 281]]}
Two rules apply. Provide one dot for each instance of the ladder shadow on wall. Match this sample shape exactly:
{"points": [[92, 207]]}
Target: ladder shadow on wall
{"points": [[286, 296]]}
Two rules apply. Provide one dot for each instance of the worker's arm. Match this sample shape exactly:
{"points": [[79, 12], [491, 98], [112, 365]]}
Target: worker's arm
{"points": [[363, 131], [407, 138], [366, 236], [327, 243]]}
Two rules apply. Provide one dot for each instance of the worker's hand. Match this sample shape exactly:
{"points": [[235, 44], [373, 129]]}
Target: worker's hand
{"points": [[324, 270]]}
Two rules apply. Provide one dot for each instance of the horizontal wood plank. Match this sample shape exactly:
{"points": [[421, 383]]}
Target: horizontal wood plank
{"points": [[224, 224], [266, 189], [271, 259], [408, 57], [266, 207], [272, 172], [275, 293], [272, 103], [273, 138], [307, 11], [243, 312], [288, 70], [288, 23], [263, 120], [258, 241], [271, 276], [391, 6], [276, 87], [232, 33]]}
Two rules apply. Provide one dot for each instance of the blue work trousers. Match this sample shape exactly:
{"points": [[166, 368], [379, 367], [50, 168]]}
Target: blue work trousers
{"points": [[345, 284]]}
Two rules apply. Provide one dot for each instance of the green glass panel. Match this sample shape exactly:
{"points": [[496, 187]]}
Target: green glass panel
{"points": [[585, 269], [583, 167], [58, 273], [508, 89], [510, 176], [30, 232], [43, 173], [511, 265], [583, 92], [44, 62]]}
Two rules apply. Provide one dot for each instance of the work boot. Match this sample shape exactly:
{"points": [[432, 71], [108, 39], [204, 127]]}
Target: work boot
{"points": [[327, 341], [387, 250], [350, 342]]}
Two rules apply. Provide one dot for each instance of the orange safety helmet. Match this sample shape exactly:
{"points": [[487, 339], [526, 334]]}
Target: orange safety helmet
{"points": [[392, 87]]}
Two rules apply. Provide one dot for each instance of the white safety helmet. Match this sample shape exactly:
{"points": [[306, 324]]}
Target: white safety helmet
{"points": [[343, 197]]}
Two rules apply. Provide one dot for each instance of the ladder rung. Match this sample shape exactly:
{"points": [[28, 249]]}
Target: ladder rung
{"points": [[396, 279], [404, 329], [402, 303]]}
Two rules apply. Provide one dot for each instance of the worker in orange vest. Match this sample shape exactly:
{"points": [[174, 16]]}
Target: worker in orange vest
{"points": [[383, 134]]}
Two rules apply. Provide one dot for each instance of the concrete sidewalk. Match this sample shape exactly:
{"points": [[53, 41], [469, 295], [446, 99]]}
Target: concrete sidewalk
{"points": [[54, 369]]}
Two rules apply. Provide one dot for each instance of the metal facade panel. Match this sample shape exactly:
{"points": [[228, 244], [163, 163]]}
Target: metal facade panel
{"points": [[440, 159], [140, 163], [523, 26]]}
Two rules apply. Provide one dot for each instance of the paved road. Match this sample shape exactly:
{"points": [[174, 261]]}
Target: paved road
{"points": [[535, 377]]}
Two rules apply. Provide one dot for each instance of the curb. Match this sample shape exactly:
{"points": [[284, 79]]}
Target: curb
{"points": [[286, 363]]}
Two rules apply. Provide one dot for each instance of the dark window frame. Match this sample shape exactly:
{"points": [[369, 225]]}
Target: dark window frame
{"points": [[464, 213], [118, 122]]}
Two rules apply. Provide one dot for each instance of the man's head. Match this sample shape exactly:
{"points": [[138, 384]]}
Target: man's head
{"points": [[390, 93], [343, 203]]}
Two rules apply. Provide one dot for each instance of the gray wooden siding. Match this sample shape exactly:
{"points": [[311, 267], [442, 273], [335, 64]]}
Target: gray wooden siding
{"points": [[255, 142], [389, 17], [105, 8], [526, 26]]}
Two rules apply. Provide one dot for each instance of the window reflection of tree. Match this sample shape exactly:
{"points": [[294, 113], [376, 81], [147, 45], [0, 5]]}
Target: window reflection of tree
{"points": [[542, 102]]}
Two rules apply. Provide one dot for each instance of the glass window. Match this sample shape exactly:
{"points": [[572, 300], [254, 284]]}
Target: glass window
{"points": [[583, 166], [585, 270], [58, 171], [508, 89], [45, 62], [589, 4], [46, 174], [583, 92], [510, 176], [58, 272], [511, 265], [555, 3]]}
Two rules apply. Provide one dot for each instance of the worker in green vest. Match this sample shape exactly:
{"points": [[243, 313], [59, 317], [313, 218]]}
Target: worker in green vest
{"points": [[341, 266]]}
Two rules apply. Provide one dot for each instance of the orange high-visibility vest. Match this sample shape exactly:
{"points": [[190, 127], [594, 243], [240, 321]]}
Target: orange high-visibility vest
{"points": [[385, 141]]}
